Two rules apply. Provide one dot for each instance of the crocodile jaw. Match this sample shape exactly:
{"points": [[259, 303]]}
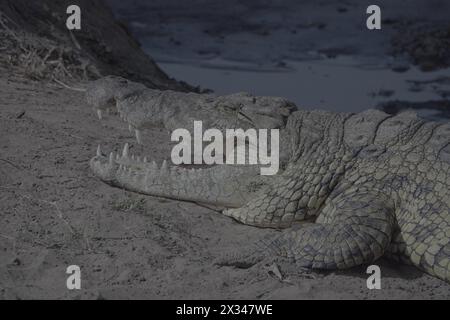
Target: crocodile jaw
{"points": [[224, 185]]}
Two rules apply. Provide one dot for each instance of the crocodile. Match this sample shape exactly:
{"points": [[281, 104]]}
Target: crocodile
{"points": [[352, 187]]}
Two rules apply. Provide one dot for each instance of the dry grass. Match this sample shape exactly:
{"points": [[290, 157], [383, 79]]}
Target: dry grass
{"points": [[41, 58], [134, 204]]}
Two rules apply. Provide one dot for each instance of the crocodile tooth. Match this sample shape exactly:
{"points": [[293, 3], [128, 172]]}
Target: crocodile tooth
{"points": [[111, 158], [132, 157], [99, 114], [130, 128], [145, 159], [117, 156], [138, 136], [164, 166], [99, 151], [154, 165], [126, 147]]}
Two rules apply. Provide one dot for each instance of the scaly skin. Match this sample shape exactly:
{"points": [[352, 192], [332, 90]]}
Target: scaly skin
{"points": [[373, 184]]}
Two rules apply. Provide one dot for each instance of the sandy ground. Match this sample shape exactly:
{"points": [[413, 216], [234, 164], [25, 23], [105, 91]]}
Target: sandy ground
{"points": [[55, 213]]}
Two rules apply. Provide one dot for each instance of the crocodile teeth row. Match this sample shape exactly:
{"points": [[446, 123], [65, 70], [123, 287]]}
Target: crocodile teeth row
{"points": [[113, 157], [164, 168]]}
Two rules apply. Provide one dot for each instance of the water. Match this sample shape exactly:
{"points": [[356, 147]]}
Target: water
{"points": [[341, 84]]}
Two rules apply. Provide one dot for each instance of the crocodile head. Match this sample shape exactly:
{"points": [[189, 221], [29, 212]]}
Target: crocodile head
{"points": [[225, 185]]}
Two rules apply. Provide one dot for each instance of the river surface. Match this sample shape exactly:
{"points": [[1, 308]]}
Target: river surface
{"points": [[341, 84]]}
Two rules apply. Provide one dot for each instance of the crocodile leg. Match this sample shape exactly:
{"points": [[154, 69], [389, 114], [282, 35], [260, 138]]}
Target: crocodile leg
{"points": [[424, 241], [353, 229]]}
